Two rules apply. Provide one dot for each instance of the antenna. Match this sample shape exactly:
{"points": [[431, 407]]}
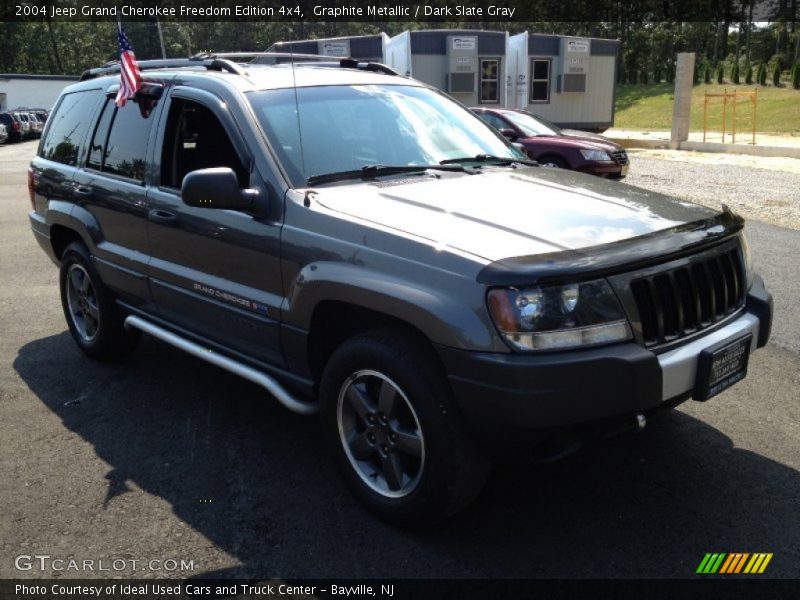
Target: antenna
{"points": [[297, 113]]}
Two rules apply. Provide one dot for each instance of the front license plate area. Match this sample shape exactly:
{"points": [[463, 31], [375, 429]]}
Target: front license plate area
{"points": [[721, 366]]}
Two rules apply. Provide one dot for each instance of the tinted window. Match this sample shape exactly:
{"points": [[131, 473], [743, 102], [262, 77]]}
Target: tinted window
{"points": [[126, 149], [68, 128], [98, 142]]}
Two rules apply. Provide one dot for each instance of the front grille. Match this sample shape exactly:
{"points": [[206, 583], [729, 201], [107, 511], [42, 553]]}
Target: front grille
{"points": [[621, 157], [680, 302]]}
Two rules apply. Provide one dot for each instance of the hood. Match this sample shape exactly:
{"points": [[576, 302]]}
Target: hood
{"points": [[505, 212], [593, 139]]}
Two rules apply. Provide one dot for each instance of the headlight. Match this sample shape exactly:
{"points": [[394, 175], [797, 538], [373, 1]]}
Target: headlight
{"points": [[597, 155], [559, 316], [748, 261]]}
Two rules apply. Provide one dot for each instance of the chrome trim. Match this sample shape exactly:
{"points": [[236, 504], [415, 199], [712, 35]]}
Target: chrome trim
{"points": [[679, 366], [224, 362]]}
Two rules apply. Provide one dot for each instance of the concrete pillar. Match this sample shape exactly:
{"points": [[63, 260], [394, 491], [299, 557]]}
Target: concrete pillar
{"points": [[681, 109]]}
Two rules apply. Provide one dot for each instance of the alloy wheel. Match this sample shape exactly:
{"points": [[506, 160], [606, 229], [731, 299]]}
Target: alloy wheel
{"points": [[82, 301], [380, 433]]}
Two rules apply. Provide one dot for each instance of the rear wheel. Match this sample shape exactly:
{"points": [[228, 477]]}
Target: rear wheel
{"points": [[396, 436], [94, 320]]}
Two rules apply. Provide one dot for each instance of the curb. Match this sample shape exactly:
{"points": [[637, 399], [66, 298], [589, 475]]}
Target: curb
{"points": [[768, 151]]}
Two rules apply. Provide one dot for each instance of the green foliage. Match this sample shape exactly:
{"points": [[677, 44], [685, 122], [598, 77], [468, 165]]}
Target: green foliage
{"points": [[696, 73], [748, 78], [720, 73], [670, 72], [657, 73], [707, 74], [643, 77], [649, 108], [735, 73], [776, 74], [796, 76], [762, 74]]}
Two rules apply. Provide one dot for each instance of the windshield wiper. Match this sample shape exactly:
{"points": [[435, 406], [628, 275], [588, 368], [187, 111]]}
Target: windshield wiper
{"points": [[488, 158], [372, 171]]}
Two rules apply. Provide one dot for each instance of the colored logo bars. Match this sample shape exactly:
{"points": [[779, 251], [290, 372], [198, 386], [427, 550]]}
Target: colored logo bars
{"points": [[733, 563]]}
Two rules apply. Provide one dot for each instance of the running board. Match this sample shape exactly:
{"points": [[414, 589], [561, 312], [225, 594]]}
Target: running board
{"points": [[237, 368]]}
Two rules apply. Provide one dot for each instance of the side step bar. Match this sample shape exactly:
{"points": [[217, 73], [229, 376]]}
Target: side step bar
{"points": [[258, 377]]}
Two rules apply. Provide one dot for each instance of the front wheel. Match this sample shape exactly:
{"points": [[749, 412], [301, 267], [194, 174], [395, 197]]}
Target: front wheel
{"points": [[395, 433], [554, 162]]}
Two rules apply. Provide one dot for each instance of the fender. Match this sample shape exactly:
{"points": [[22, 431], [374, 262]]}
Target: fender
{"points": [[443, 314], [75, 218]]}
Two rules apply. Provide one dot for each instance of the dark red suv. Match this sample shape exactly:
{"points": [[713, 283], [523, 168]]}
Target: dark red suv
{"points": [[556, 147]]}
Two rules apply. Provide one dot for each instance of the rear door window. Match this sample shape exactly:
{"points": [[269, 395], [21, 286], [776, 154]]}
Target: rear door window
{"points": [[68, 128], [119, 143]]}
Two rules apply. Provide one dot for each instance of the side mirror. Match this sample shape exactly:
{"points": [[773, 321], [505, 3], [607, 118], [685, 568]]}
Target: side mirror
{"points": [[216, 188], [521, 148], [510, 134]]}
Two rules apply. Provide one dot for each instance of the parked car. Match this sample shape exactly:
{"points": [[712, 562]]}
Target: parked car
{"points": [[37, 126], [38, 123], [360, 245], [552, 146], [3, 134], [12, 125], [26, 127]]}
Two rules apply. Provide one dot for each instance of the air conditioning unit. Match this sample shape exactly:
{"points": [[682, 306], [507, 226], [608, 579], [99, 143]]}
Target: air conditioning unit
{"points": [[574, 65]]}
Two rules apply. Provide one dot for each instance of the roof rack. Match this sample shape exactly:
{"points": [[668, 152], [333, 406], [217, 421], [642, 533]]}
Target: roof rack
{"points": [[212, 64], [220, 61], [347, 62]]}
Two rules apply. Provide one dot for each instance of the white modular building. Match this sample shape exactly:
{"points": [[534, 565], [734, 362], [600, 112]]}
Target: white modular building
{"points": [[570, 81], [31, 91]]}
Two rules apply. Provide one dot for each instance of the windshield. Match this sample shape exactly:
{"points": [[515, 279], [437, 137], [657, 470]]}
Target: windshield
{"points": [[344, 128], [530, 125]]}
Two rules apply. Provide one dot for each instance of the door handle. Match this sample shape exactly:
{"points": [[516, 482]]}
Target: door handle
{"points": [[162, 217], [82, 190]]}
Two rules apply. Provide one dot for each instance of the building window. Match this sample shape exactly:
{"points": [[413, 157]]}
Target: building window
{"points": [[490, 80], [540, 80]]}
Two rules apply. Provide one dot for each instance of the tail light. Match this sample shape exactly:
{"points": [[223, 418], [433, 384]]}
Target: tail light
{"points": [[16, 126], [31, 188]]}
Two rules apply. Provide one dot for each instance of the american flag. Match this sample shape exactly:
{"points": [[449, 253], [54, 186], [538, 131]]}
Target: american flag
{"points": [[129, 75]]}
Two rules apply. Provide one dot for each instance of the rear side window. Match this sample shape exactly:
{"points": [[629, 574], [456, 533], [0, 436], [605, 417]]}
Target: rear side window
{"points": [[68, 127], [119, 143]]}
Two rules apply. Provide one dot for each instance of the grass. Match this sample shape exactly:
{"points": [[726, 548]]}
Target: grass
{"points": [[649, 107]]}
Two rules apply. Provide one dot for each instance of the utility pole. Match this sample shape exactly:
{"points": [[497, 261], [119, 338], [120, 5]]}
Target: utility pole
{"points": [[161, 38]]}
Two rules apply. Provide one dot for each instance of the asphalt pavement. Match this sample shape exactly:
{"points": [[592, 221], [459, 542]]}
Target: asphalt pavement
{"points": [[162, 457]]}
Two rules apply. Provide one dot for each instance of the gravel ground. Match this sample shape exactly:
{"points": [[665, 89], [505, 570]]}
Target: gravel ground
{"points": [[764, 189]]}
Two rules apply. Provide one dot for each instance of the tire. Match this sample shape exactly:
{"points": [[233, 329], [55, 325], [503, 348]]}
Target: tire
{"points": [[553, 162], [94, 320], [417, 467]]}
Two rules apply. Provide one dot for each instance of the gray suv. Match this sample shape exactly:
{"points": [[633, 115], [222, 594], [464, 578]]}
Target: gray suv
{"points": [[362, 246]]}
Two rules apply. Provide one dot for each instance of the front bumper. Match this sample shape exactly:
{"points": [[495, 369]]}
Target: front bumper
{"points": [[603, 169], [541, 391]]}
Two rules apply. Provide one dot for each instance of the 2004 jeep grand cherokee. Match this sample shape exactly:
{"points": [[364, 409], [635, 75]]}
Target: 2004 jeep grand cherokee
{"points": [[363, 246]]}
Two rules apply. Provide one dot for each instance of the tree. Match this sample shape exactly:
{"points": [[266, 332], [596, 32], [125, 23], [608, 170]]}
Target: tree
{"points": [[762, 74], [776, 74], [796, 76], [735, 73], [720, 73], [748, 78], [707, 74]]}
